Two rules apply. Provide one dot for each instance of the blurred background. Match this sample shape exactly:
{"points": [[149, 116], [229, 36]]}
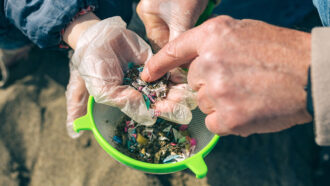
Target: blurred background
{"points": [[36, 150]]}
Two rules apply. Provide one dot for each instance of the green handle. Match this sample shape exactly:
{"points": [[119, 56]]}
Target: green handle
{"points": [[197, 165], [207, 13], [82, 123]]}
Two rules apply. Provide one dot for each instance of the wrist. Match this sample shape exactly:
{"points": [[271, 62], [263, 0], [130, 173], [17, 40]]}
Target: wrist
{"points": [[77, 27]]}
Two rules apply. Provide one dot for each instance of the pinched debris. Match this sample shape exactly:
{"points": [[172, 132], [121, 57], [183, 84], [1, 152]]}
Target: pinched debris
{"points": [[164, 142]]}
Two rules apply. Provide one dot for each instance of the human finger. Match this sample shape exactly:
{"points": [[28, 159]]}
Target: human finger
{"points": [[76, 99], [128, 100], [176, 53], [156, 28], [205, 104], [182, 94], [173, 111], [214, 125]]}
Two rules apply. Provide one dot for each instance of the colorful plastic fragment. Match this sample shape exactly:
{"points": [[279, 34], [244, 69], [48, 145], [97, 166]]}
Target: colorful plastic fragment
{"points": [[173, 158], [152, 91], [161, 143], [117, 139]]}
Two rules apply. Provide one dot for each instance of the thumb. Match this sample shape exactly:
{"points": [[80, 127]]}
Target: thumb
{"points": [[157, 30], [76, 100]]}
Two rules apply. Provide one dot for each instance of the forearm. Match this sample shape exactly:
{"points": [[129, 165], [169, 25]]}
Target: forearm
{"points": [[77, 27], [43, 21]]}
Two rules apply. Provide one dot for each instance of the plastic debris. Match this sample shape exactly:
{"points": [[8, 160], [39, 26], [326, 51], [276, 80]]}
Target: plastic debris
{"points": [[141, 140], [176, 134], [117, 139], [167, 129], [164, 142], [173, 158], [182, 140], [183, 127], [155, 113], [160, 143], [193, 142], [153, 91]]}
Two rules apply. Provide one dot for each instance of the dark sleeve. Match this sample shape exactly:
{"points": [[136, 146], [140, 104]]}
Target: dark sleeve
{"points": [[2, 18], [42, 20]]}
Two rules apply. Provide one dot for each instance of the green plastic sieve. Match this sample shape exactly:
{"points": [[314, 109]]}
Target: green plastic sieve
{"points": [[101, 120]]}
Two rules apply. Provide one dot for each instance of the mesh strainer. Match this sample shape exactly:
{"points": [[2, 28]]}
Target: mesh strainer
{"points": [[101, 120]]}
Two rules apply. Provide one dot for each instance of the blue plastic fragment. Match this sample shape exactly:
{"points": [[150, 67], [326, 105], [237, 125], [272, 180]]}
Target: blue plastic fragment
{"points": [[130, 65], [140, 69], [171, 158], [133, 140], [126, 81], [117, 139]]}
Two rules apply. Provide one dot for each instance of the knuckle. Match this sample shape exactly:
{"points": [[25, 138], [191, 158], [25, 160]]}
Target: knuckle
{"points": [[211, 124], [172, 50], [139, 10], [220, 88], [213, 58], [224, 18], [218, 24], [232, 124], [209, 56], [233, 120], [143, 6], [200, 96], [213, 27], [191, 83], [194, 82], [153, 68]]}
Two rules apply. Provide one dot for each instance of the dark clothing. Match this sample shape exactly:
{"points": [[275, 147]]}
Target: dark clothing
{"points": [[41, 21]]}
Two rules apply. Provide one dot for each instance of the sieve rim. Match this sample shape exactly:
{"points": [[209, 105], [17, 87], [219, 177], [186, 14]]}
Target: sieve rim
{"points": [[87, 123]]}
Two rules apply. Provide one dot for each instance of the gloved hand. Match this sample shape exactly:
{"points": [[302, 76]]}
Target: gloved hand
{"points": [[102, 54], [249, 75], [164, 20]]}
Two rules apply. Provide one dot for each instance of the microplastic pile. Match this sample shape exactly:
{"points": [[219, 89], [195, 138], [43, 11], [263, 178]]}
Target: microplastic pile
{"points": [[164, 142]]}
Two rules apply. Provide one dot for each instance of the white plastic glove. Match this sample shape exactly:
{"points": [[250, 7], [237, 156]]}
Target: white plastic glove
{"points": [[166, 19], [102, 54]]}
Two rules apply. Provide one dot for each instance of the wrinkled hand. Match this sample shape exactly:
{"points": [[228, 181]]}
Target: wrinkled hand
{"points": [[102, 54], [166, 19], [250, 76]]}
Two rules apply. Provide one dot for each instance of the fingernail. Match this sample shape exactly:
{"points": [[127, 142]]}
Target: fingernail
{"points": [[145, 74]]}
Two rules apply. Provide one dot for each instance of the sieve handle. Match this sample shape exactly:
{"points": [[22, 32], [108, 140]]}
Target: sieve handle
{"points": [[82, 123], [197, 165]]}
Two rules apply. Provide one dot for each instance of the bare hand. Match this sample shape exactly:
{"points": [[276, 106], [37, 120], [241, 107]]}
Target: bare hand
{"points": [[250, 76], [166, 19]]}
